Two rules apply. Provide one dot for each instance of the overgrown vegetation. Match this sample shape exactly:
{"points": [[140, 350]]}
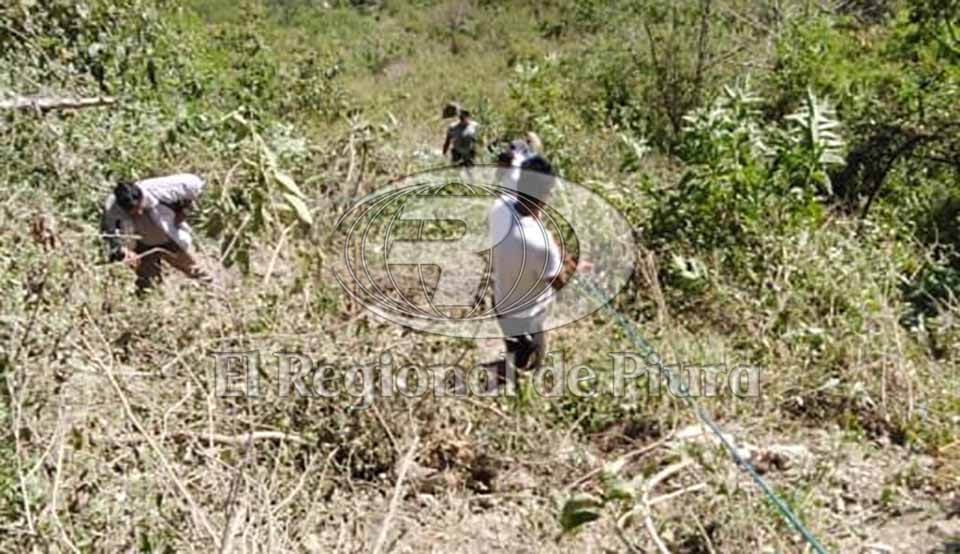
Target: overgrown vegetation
{"points": [[791, 168]]}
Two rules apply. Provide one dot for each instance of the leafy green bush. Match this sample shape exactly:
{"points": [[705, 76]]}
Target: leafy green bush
{"points": [[107, 43], [893, 83], [270, 200], [746, 180]]}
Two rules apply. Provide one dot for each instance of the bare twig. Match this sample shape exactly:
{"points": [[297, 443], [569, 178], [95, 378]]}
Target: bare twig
{"points": [[703, 532], [702, 45], [29, 42], [15, 394], [674, 494], [226, 545], [634, 549], [647, 266], [137, 257], [16, 401], [45, 103], [353, 159], [232, 440], [236, 236], [56, 483], [645, 501], [404, 466], [491, 409], [386, 428], [239, 511], [303, 478], [276, 253], [196, 513]]}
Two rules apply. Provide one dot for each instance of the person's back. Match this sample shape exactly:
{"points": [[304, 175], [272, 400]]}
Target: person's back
{"points": [[524, 260], [463, 135], [528, 264], [162, 199], [155, 211], [173, 189]]}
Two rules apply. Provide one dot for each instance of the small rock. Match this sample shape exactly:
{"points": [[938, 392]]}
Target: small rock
{"points": [[839, 505], [514, 481], [746, 452], [796, 451]]}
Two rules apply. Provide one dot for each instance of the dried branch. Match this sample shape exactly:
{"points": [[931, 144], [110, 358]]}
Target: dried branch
{"points": [[402, 474], [229, 440], [628, 456], [645, 501], [196, 513], [46, 103]]}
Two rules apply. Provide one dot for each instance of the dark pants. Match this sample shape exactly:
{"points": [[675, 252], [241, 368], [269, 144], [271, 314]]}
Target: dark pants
{"points": [[526, 345], [462, 159], [150, 270], [527, 349]]}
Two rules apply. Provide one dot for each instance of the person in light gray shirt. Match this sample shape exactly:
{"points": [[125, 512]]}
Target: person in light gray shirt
{"points": [[152, 212], [461, 140]]}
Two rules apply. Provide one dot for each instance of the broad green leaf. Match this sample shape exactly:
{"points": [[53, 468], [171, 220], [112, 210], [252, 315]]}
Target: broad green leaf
{"points": [[580, 509]]}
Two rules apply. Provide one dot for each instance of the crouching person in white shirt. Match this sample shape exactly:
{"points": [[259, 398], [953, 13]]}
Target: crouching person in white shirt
{"points": [[154, 211], [528, 266]]}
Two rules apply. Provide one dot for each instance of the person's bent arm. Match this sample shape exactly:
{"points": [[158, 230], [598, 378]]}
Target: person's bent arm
{"points": [[566, 273]]}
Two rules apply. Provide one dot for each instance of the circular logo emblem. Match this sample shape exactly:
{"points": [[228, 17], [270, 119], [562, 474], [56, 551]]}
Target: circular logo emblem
{"points": [[458, 251]]}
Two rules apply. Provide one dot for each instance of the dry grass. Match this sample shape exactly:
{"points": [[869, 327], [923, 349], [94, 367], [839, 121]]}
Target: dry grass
{"points": [[122, 443]]}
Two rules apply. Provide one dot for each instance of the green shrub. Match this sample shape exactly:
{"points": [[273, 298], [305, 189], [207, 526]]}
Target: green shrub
{"points": [[746, 180]]}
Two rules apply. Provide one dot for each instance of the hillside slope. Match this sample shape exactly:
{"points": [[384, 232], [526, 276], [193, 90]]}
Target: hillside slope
{"points": [[791, 171]]}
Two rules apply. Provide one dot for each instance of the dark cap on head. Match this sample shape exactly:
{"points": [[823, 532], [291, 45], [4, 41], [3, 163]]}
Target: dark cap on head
{"points": [[451, 109], [538, 164], [128, 195]]}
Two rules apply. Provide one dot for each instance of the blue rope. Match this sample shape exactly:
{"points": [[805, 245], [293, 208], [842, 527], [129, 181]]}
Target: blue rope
{"points": [[631, 329]]}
